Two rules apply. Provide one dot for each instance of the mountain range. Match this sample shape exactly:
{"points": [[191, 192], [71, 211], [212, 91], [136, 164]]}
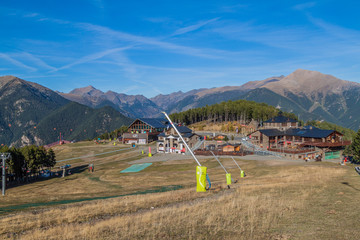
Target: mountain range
{"points": [[130, 105], [309, 94], [33, 114]]}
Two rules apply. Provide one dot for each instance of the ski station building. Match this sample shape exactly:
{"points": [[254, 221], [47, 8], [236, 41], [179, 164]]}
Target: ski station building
{"points": [[144, 130], [283, 135], [170, 142]]}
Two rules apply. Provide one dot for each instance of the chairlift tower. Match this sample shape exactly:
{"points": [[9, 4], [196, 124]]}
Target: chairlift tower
{"points": [[4, 157]]}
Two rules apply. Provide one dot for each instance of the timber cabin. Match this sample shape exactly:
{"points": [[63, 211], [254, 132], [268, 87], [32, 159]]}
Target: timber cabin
{"points": [[144, 130], [229, 147], [170, 142]]}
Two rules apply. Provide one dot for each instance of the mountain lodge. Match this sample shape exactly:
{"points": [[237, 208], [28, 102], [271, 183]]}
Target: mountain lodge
{"points": [[282, 134], [170, 142], [144, 130], [281, 122]]}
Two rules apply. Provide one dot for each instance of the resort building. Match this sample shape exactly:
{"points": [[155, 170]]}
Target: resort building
{"points": [[300, 142], [170, 142], [144, 130], [280, 122], [294, 137]]}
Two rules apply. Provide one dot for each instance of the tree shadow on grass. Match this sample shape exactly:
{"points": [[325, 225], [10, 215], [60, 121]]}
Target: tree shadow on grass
{"points": [[348, 184], [56, 174]]}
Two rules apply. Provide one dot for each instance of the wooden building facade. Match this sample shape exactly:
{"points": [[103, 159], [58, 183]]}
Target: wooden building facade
{"points": [[144, 130], [274, 138]]}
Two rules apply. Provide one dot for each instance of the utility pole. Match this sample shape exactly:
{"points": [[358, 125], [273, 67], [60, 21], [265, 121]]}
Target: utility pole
{"points": [[4, 157]]}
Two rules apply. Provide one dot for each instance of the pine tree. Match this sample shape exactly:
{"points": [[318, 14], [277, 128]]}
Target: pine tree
{"points": [[51, 159], [355, 147]]}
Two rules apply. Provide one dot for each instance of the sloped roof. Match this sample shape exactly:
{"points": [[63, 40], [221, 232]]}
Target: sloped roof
{"points": [[271, 132], [300, 132], [186, 135], [181, 129], [153, 122], [280, 119], [309, 132]]}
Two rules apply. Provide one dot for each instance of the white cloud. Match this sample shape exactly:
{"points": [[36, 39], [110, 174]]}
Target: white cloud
{"points": [[37, 60], [135, 39], [232, 9], [304, 6], [16, 62], [31, 15], [158, 19], [279, 37], [93, 57], [337, 31], [193, 27]]}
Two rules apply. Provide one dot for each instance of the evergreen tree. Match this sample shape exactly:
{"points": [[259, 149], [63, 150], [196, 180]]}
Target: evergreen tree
{"points": [[240, 110], [50, 158], [348, 133], [30, 154], [355, 147], [17, 162]]}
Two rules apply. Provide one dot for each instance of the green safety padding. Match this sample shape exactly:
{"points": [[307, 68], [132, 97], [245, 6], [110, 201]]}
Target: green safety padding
{"points": [[136, 167], [332, 155]]}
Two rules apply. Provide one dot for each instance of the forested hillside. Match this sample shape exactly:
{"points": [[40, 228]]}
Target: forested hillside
{"points": [[22, 105], [78, 122], [33, 114], [240, 110], [349, 134]]}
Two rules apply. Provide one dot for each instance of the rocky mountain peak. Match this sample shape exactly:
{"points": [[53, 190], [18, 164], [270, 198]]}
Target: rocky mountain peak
{"points": [[5, 79], [89, 90], [309, 82]]}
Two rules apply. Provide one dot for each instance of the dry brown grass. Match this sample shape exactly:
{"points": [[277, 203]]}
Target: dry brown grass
{"points": [[251, 210]]}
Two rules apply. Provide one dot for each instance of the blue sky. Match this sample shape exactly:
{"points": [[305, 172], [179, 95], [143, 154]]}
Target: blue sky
{"points": [[159, 47]]}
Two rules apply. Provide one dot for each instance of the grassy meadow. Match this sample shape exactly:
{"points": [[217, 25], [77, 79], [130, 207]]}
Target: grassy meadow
{"points": [[276, 200]]}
